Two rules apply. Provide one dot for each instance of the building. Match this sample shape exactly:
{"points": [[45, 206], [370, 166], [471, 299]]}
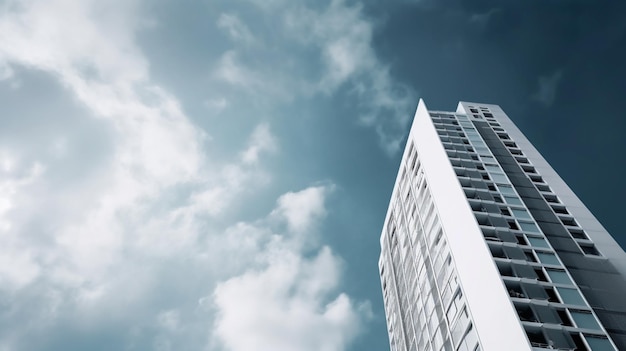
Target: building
{"points": [[484, 246]]}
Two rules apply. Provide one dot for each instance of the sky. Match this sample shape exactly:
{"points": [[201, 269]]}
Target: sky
{"points": [[214, 175]]}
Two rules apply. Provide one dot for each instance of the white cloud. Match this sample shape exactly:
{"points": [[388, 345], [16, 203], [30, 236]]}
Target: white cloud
{"points": [[124, 252], [343, 36], [169, 320], [5, 71], [303, 208], [236, 29], [18, 262], [261, 141], [322, 51], [233, 72], [290, 301], [217, 104]]}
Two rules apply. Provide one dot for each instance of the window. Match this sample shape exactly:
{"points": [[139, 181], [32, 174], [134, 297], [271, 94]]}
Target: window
{"points": [[544, 188], [540, 275], [548, 258], [538, 242], [559, 210], [584, 319], [493, 168], [577, 233], [521, 214], [482, 150], [598, 343], [565, 320], [571, 296], [578, 341], [536, 338], [506, 189], [568, 221], [559, 277], [551, 198], [529, 227], [529, 256], [497, 252], [499, 178], [589, 249], [513, 200], [522, 159]]}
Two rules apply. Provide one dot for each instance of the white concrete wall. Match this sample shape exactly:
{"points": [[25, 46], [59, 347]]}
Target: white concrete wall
{"points": [[494, 316]]}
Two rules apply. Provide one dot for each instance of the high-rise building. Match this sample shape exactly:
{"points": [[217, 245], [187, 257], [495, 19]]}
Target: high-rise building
{"points": [[484, 246]]}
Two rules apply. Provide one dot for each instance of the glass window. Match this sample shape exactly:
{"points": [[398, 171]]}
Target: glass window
{"points": [[599, 344], [488, 159], [558, 277], [493, 168], [571, 296], [482, 150], [471, 338], [521, 214], [506, 189], [513, 200], [499, 178], [538, 242], [529, 227], [547, 258], [585, 319]]}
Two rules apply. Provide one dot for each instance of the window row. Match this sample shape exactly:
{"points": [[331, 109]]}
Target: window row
{"points": [[548, 338], [568, 317], [585, 245]]}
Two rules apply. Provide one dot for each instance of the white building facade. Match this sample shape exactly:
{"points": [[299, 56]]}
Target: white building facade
{"points": [[484, 247]]}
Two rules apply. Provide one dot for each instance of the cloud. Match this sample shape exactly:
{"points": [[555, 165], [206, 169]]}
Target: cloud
{"points": [[265, 85], [547, 86], [324, 51], [302, 209], [289, 300], [5, 71], [125, 253], [261, 141], [236, 29], [217, 104]]}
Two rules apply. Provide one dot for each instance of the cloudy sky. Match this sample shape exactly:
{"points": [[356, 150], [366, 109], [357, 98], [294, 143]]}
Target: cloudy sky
{"points": [[213, 175]]}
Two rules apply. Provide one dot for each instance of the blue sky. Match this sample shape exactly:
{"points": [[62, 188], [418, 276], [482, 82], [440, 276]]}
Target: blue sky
{"points": [[213, 175]]}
